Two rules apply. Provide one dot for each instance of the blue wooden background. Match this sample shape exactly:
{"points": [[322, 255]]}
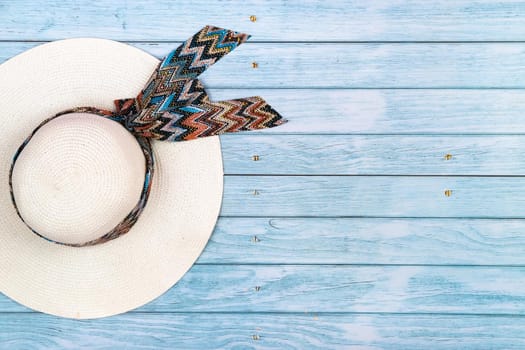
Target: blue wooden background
{"points": [[340, 236]]}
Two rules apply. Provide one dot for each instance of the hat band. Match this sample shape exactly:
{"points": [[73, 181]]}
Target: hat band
{"points": [[125, 225], [174, 106]]}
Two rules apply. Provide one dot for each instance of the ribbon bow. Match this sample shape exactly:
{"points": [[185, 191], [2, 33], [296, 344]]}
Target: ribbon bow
{"points": [[174, 105]]}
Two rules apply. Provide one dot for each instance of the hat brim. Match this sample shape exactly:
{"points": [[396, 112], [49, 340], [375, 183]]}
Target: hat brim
{"points": [[180, 215]]}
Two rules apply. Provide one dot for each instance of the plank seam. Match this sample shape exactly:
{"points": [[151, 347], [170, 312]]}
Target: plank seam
{"points": [[375, 175], [374, 217], [368, 265], [284, 42], [291, 313]]}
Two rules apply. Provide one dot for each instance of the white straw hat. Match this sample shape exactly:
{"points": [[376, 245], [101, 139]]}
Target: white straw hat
{"points": [[80, 173]]}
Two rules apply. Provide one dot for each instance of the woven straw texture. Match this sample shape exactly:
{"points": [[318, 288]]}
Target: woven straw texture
{"points": [[175, 226]]}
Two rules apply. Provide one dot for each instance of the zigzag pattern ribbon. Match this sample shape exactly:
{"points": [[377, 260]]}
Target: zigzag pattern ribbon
{"points": [[174, 105]]}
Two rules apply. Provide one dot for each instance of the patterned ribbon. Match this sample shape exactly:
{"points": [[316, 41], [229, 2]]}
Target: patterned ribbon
{"points": [[174, 106]]}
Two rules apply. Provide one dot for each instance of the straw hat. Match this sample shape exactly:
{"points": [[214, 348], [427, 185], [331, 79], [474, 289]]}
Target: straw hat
{"points": [[102, 211]]}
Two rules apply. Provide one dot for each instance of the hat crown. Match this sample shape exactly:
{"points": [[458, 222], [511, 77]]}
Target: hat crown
{"points": [[78, 177]]}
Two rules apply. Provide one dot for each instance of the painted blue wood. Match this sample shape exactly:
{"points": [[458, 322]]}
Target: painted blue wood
{"points": [[376, 111], [308, 20], [335, 69], [419, 111], [474, 290], [390, 65], [373, 155], [413, 111], [263, 331], [374, 196], [443, 65], [366, 241]]}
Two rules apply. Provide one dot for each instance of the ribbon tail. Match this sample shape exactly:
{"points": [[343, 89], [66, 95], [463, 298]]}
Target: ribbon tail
{"points": [[199, 52], [213, 118], [186, 62], [189, 60]]}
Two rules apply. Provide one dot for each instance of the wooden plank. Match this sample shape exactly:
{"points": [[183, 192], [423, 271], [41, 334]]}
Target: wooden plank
{"points": [[402, 289], [337, 20], [366, 241], [483, 65], [374, 196], [392, 65], [392, 111], [373, 155], [263, 331], [342, 288], [349, 111]]}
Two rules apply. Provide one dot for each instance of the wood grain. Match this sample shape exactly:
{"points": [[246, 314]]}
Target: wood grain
{"points": [[375, 196], [263, 331], [397, 111], [384, 261], [366, 241], [312, 20], [475, 290], [373, 155], [390, 65]]}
